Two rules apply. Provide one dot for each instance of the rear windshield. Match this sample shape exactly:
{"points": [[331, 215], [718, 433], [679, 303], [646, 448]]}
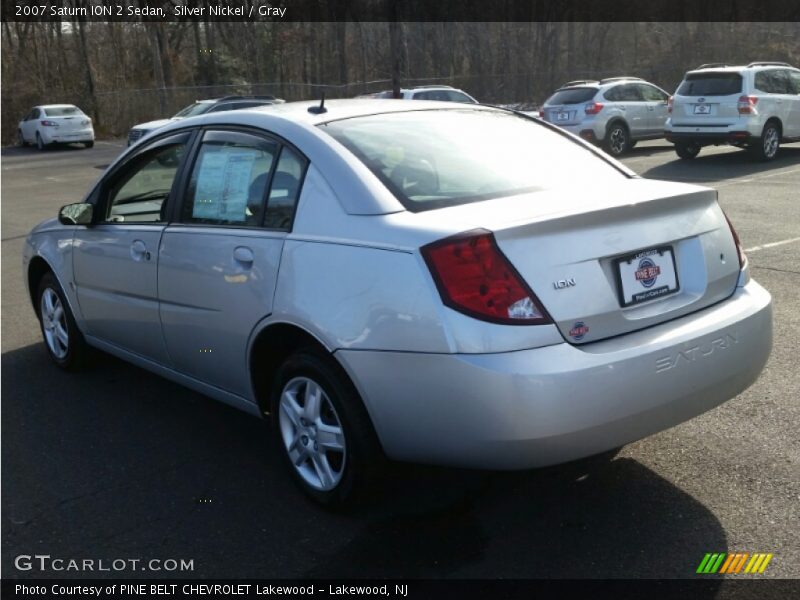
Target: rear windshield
{"points": [[572, 96], [198, 108], [62, 111], [434, 158], [711, 84]]}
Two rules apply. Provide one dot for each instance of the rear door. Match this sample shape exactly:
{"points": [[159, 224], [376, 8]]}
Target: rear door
{"points": [[29, 125], [635, 109], [219, 259], [708, 99]]}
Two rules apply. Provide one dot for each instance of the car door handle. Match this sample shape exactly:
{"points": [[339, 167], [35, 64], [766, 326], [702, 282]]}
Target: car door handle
{"points": [[244, 255], [139, 250]]}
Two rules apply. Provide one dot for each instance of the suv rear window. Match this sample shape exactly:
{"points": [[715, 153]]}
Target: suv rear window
{"points": [[572, 96], [434, 158], [711, 84]]}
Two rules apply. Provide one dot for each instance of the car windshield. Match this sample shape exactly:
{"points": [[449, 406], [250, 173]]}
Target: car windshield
{"points": [[711, 84], [572, 96], [434, 158], [62, 111], [198, 108]]}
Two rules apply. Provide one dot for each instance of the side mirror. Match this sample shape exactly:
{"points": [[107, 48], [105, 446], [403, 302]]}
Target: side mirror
{"points": [[76, 214]]}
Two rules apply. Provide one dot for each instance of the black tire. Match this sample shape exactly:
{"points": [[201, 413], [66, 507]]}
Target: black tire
{"points": [[40, 145], [21, 139], [89, 144], [618, 139], [766, 148], [687, 150], [76, 349], [361, 462]]}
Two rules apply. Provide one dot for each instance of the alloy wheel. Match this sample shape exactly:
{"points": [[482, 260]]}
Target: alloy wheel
{"points": [[617, 140], [771, 141], [54, 324], [312, 433]]}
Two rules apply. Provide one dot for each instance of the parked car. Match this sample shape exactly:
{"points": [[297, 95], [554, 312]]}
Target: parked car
{"points": [[615, 113], [201, 107], [440, 93], [755, 106], [50, 124], [405, 279]]}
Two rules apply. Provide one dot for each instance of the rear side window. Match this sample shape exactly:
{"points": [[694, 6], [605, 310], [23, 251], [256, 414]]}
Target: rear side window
{"points": [[775, 81], [229, 180], [711, 84], [572, 96], [62, 111], [434, 158], [285, 189]]}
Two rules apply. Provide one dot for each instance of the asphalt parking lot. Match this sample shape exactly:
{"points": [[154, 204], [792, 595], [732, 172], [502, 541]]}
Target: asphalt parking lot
{"points": [[117, 463]]}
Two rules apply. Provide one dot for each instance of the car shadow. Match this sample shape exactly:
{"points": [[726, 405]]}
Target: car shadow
{"points": [[649, 149], [22, 151], [114, 462], [716, 167]]}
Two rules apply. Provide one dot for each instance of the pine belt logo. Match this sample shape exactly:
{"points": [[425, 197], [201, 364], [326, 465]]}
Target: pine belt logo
{"points": [[734, 563]]}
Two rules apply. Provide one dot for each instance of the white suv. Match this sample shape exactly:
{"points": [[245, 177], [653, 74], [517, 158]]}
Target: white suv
{"points": [[755, 107]]}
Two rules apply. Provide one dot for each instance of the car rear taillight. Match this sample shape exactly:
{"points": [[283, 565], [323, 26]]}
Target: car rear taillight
{"points": [[747, 105], [593, 108], [49, 123], [475, 278], [541, 113], [739, 249], [670, 102]]}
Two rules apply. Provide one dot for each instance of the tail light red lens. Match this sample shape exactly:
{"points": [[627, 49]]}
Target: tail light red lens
{"points": [[541, 113], [747, 105], [593, 108], [739, 248], [49, 123], [670, 102], [475, 278]]}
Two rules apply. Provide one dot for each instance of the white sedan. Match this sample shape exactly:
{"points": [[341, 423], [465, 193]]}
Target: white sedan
{"points": [[55, 124]]}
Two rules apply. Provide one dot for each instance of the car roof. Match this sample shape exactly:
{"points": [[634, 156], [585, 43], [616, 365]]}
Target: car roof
{"points": [[56, 106]]}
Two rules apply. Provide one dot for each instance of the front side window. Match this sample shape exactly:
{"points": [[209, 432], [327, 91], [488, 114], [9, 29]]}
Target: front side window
{"points": [[652, 94], [228, 185], [435, 158], [140, 191], [711, 84]]}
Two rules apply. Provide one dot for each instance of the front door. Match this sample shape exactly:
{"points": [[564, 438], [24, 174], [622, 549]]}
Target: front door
{"points": [[218, 263], [115, 261]]}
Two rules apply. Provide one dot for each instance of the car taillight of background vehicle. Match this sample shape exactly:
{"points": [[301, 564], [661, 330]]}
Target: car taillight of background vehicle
{"points": [[747, 105], [475, 278], [593, 108], [49, 123], [670, 101], [739, 248]]}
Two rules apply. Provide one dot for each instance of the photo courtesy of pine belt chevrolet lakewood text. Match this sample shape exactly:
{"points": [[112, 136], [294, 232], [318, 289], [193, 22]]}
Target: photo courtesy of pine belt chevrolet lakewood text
{"points": [[420, 281]]}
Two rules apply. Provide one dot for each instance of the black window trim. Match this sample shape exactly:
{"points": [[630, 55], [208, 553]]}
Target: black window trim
{"points": [[175, 215]]}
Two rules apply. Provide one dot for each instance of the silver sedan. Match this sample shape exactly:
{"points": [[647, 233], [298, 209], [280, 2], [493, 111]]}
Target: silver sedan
{"points": [[421, 281]]}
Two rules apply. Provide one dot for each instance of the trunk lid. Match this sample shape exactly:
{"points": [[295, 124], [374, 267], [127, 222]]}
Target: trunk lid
{"points": [[566, 244]]}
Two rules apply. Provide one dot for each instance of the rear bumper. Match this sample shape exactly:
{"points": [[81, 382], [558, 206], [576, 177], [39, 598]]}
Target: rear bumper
{"points": [[710, 138], [56, 137], [549, 405]]}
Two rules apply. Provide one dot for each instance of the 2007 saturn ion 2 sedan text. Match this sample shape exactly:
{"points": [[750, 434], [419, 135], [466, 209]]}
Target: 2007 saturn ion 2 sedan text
{"points": [[421, 281]]}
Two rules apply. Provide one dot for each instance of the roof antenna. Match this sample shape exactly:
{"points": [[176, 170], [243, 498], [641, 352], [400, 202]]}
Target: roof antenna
{"points": [[318, 110]]}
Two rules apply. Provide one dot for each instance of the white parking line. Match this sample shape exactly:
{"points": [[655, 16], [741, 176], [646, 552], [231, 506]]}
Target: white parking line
{"points": [[772, 245]]}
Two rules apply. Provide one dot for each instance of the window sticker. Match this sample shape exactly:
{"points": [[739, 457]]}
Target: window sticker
{"points": [[223, 185]]}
